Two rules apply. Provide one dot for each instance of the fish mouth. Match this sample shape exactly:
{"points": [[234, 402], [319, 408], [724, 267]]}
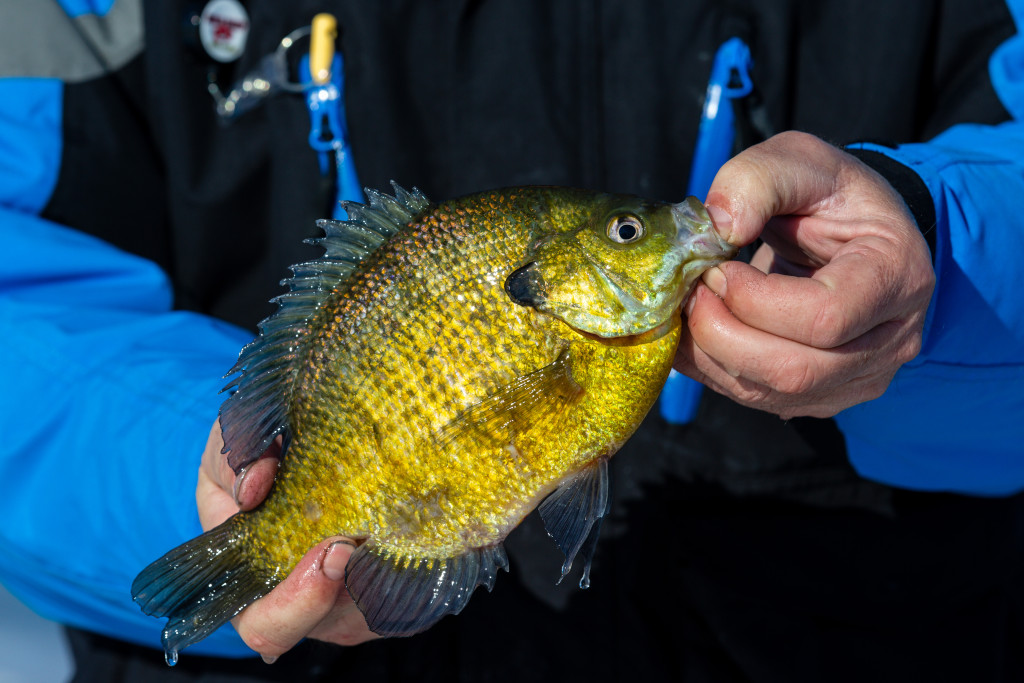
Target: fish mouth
{"points": [[705, 247], [697, 237], [695, 232], [698, 266]]}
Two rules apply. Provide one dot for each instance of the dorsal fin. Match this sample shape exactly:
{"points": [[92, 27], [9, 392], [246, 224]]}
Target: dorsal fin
{"points": [[256, 412]]}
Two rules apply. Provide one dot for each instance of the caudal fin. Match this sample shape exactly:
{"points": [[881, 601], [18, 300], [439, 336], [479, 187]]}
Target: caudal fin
{"points": [[199, 586]]}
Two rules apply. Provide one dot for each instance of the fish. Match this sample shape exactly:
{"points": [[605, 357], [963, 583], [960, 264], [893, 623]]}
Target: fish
{"points": [[439, 373]]}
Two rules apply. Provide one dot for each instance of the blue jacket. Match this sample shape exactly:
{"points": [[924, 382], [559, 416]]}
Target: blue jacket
{"points": [[951, 418], [110, 392]]}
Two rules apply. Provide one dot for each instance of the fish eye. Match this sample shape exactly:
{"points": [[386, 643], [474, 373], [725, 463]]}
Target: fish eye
{"points": [[625, 229]]}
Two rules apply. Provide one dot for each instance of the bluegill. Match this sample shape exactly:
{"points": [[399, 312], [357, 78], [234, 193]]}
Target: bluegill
{"points": [[439, 373]]}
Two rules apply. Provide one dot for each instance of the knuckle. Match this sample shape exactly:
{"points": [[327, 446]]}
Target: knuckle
{"points": [[791, 412], [875, 389], [789, 138], [349, 637], [258, 641], [909, 349], [751, 394], [821, 412], [793, 377], [749, 174], [829, 325], [925, 279]]}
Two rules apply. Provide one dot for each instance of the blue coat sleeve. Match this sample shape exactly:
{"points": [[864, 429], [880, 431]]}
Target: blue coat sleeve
{"points": [[951, 419], [108, 398]]}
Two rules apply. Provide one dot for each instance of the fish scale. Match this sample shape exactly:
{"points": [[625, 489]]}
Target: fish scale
{"points": [[407, 403], [439, 373]]}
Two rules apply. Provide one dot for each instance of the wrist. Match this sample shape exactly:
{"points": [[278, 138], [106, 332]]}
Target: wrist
{"points": [[910, 187]]}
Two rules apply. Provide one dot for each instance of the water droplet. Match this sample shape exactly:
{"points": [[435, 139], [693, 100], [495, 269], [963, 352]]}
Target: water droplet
{"points": [[585, 579], [171, 657]]}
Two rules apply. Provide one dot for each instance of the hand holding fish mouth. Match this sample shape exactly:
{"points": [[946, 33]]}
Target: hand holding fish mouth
{"points": [[312, 602], [833, 302]]}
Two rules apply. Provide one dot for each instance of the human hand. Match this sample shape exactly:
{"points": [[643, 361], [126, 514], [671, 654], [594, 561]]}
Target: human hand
{"points": [[312, 601], [830, 306]]}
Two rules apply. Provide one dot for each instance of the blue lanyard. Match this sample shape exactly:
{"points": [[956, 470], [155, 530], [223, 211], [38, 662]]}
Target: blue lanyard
{"points": [[328, 134], [730, 79]]}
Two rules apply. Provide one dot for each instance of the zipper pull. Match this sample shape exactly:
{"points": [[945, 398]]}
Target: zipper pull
{"points": [[730, 80], [321, 69]]}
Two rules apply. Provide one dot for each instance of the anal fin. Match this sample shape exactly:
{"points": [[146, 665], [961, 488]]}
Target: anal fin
{"points": [[572, 515], [401, 595]]}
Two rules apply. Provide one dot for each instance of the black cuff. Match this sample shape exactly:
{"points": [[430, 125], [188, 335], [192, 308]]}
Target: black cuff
{"points": [[910, 186]]}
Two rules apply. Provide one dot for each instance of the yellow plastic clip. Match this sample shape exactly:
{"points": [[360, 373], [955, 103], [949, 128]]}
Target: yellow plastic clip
{"points": [[321, 47]]}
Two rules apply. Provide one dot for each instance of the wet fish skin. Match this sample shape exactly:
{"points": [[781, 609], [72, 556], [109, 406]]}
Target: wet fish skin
{"points": [[438, 374]]}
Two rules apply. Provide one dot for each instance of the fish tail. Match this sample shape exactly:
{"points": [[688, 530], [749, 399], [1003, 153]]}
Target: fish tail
{"points": [[200, 585]]}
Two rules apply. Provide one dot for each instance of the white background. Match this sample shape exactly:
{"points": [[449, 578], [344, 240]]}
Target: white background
{"points": [[32, 649]]}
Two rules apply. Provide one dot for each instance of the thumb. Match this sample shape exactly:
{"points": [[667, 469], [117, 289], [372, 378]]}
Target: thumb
{"points": [[790, 173]]}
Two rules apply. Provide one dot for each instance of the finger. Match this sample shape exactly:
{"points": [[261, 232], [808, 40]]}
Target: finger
{"points": [[763, 259], [789, 173], [801, 239], [273, 624], [788, 407], [694, 363], [840, 302], [344, 624], [214, 464], [213, 503], [785, 366], [767, 261], [254, 482]]}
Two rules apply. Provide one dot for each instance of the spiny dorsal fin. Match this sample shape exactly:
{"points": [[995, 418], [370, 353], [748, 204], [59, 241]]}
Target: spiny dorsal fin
{"points": [[369, 226], [257, 410]]}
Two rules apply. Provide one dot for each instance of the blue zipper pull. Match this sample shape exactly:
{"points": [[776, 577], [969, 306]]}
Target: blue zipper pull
{"points": [[325, 99], [730, 80]]}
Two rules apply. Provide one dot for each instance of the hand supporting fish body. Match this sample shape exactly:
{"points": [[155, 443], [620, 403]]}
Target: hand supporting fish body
{"points": [[439, 373]]}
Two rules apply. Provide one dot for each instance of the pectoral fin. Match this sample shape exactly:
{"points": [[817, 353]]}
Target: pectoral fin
{"points": [[572, 515], [401, 594], [531, 401]]}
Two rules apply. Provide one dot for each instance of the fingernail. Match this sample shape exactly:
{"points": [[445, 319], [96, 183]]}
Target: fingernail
{"points": [[269, 659], [722, 221], [334, 563], [714, 278], [691, 301], [239, 478]]}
